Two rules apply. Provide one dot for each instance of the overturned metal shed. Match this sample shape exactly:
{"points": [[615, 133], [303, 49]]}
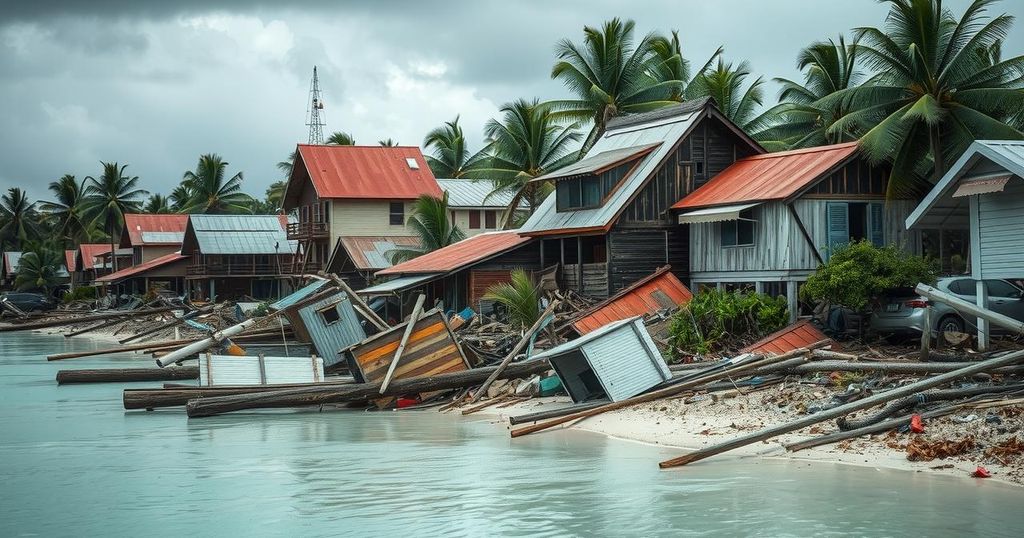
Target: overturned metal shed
{"points": [[615, 362], [332, 326], [222, 370], [431, 350]]}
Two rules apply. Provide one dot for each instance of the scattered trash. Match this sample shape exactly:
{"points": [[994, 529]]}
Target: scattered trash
{"points": [[964, 419], [916, 425], [981, 472], [920, 449]]}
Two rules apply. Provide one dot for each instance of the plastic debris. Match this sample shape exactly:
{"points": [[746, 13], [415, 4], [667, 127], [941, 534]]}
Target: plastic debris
{"points": [[981, 472], [916, 425]]}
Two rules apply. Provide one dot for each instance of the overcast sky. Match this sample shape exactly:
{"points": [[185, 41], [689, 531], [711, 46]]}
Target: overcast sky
{"points": [[155, 84]]}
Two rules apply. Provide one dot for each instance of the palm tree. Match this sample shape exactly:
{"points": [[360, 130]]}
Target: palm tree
{"points": [[671, 65], [431, 223], [611, 74], [180, 198], [450, 155], [799, 119], [286, 166], [337, 138], [725, 84], [66, 209], [39, 269], [18, 219], [520, 296], [158, 203], [275, 194], [526, 143], [388, 143], [210, 193], [108, 198], [932, 93]]}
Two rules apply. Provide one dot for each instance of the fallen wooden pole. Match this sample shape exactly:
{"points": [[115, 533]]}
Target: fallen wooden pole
{"points": [[112, 375], [553, 413], [672, 390], [842, 410], [179, 396], [357, 302], [102, 325], [995, 318], [410, 325], [75, 320], [172, 323], [204, 407], [474, 408], [107, 351], [512, 354]]}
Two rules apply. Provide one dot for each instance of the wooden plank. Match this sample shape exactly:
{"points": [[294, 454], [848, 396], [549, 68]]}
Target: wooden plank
{"points": [[409, 326]]}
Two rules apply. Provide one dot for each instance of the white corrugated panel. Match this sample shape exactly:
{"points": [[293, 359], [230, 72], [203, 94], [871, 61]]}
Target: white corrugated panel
{"points": [[626, 361], [1000, 241], [220, 370], [715, 214]]}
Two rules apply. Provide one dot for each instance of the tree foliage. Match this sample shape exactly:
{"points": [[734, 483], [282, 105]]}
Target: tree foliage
{"points": [[716, 320], [449, 152], [856, 273], [432, 225], [520, 296], [210, 192]]}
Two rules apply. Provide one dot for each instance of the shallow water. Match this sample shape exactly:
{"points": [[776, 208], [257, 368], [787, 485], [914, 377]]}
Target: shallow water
{"points": [[74, 463]]}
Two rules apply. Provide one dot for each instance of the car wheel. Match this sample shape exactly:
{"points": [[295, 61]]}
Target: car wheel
{"points": [[951, 324]]}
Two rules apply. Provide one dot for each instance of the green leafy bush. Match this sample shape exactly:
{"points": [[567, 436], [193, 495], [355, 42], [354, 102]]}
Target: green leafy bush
{"points": [[81, 293], [858, 272], [716, 319]]}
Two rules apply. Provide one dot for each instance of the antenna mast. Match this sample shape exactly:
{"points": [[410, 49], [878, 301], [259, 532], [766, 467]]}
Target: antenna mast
{"points": [[314, 113]]}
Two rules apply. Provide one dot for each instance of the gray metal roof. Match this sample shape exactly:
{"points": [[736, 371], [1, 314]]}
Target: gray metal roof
{"points": [[666, 126], [398, 284], [298, 295], [686, 107], [938, 208], [162, 237], [240, 234], [474, 193], [596, 161], [331, 337]]}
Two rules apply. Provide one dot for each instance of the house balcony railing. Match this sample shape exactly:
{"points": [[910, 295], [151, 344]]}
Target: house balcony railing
{"points": [[239, 269], [308, 230]]}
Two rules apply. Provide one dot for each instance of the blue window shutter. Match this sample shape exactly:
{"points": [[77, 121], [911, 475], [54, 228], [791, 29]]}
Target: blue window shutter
{"points": [[875, 220], [838, 214]]}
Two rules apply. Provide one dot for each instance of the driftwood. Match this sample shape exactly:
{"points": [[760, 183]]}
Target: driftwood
{"points": [[204, 407], [112, 375], [842, 410], [553, 413], [75, 320], [178, 395], [678, 388], [410, 325], [474, 408], [515, 350]]}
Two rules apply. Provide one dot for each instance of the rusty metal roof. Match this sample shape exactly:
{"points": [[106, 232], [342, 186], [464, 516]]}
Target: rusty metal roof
{"points": [[795, 336], [466, 252], [657, 291], [88, 253], [364, 172], [147, 229], [371, 253], [69, 260], [771, 176], [139, 270]]}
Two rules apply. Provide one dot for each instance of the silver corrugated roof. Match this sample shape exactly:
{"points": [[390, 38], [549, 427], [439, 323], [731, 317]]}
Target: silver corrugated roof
{"points": [[398, 284], [298, 295], [222, 370], [666, 127], [474, 193], [162, 237], [241, 234], [596, 161]]}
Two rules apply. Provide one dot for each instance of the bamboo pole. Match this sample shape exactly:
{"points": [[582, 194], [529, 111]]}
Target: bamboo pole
{"points": [[842, 410], [410, 325], [204, 407], [671, 390], [512, 354]]}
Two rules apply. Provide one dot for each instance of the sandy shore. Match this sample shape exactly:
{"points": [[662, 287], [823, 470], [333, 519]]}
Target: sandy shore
{"points": [[709, 421]]}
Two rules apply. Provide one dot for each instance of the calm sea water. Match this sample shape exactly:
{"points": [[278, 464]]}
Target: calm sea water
{"points": [[74, 463]]}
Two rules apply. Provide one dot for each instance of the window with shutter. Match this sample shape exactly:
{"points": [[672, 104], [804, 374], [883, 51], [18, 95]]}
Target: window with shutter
{"points": [[474, 220], [875, 219], [838, 216], [490, 219]]}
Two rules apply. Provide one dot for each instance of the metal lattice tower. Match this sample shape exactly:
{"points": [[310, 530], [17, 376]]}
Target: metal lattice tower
{"points": [[315, 112]]}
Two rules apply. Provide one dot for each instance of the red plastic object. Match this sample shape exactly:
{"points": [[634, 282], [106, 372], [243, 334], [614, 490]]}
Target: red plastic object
{"points": [[981, 472], [916, 425], [406, 402]]}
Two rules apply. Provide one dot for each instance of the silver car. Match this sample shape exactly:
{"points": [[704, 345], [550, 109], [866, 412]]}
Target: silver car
{"points": [[902, 312]]}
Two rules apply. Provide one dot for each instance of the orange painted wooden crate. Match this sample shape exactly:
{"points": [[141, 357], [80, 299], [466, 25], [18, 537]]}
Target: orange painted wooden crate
{"points": [[431, 350]]}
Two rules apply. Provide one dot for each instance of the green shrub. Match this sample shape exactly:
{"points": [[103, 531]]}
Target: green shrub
{"points": [[715, 320], [858, 272], [81, 293]]}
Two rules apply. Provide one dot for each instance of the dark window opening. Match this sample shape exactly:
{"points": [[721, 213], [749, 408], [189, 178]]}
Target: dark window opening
{"points": [[397, 213], [490, 219], [594, 250], [589, 191], [698, 167], [474, 220], [858, 221], [950, 248], [739, 232], [330, 315]]}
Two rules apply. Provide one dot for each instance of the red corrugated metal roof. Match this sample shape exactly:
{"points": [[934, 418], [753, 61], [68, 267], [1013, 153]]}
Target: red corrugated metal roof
{"points": [[636, 300], [461, 254], [367, 172], [136, 223], [137, 270], [69, 260], [89, 251], [772, 176], [795, 336]]}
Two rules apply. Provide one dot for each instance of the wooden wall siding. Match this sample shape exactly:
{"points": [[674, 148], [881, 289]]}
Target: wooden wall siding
{"points": [[481, 281], [636, 253], [595, 279], [856, 178], [1000, 240], [525, 257], [431, 350], [711, 142], [778, 243]]}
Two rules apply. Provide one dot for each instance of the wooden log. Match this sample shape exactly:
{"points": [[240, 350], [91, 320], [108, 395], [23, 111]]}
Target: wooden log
{"points": [[474, 408], [842, 410], [176, 396], [890, 367], [167, 325], [553, 413], [75, 320], [410, 325], [113, 375], [204, 407], [672, 390], [515, 350], [107, 351]]}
